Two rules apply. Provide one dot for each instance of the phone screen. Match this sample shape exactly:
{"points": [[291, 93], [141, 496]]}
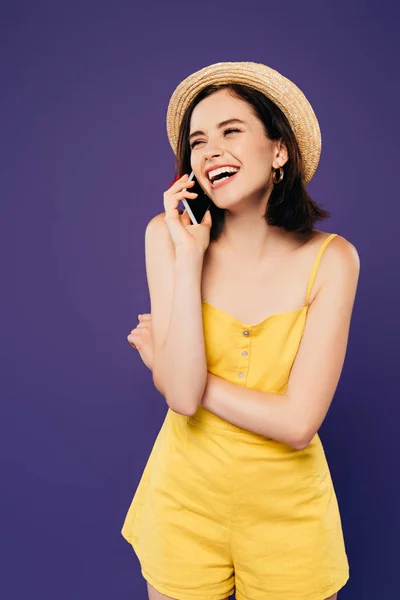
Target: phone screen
{"points": [[198, 206]]}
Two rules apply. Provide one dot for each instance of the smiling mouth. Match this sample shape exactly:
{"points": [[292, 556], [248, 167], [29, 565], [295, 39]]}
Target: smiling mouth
{"points": [[220, 182]]}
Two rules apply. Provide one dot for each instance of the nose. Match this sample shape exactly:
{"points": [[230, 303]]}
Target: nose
{"points": [[212, 147], [211, 153]]}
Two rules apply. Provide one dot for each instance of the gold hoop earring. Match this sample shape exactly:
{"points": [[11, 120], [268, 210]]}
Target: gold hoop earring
{"points": [[281, 173]]}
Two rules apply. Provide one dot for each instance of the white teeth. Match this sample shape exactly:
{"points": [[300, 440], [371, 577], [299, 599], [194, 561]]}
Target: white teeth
{"points": [[223, 179], [215, 172]]}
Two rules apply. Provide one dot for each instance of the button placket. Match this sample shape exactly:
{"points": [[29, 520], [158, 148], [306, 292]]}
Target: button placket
{"points": [[241, 374]]}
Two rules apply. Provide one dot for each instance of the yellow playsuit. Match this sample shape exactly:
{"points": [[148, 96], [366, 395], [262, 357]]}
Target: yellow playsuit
{"points": [[219, 507]]}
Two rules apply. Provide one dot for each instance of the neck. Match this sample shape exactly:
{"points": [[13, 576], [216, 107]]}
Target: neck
{"points": [[251, 240]]}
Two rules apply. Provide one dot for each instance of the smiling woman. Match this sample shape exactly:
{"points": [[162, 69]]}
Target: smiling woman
{"points": [[289, 205], [237, 493]]}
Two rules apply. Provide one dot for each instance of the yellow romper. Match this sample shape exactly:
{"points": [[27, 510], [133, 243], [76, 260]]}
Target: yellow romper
{"points": [[219, 506]]}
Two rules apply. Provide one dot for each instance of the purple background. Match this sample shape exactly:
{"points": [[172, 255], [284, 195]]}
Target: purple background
{"points": [[84, 162]]}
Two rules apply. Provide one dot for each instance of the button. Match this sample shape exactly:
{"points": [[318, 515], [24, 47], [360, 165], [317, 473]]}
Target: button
{"points": [[240, 375], [244, 353], [246, 332]]}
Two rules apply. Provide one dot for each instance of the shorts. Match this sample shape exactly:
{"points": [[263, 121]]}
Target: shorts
{"points": [[220, 510]]}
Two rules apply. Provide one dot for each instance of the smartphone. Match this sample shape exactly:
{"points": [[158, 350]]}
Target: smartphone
{"points": [[198, 207]]}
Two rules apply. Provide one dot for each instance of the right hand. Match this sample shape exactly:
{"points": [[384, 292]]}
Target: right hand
{"points": [[186, 236]]}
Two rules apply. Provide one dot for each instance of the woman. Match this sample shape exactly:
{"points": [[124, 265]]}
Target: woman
{"points": [[250, 316]]}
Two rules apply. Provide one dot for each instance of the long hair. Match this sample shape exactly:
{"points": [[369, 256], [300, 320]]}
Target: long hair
{"points": [[289, 204]]}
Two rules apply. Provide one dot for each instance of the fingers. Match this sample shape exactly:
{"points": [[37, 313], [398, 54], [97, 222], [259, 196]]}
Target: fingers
{"points": [[179, 182], [134, 340], [144, 326], [144, 320], [176, 193]]}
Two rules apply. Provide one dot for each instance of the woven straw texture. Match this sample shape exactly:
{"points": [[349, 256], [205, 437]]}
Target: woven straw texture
{"points": [[286, 95]]}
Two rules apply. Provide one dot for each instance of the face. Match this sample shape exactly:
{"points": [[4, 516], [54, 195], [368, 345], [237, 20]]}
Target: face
{"points": [[241, 144]]}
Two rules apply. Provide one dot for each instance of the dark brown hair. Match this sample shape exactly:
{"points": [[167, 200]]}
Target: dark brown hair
{"points": [[289, 204]]}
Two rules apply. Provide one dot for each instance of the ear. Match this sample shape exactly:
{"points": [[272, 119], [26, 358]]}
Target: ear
{"points": [[282, 155]]}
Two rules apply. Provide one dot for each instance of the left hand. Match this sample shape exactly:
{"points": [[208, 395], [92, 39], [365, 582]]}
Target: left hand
{"points": [[141, 339]]}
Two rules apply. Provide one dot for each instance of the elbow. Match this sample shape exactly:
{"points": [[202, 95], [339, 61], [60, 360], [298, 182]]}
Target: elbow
{"points": [[185, 405], [185, 409], [302, 439], [298, 435], [300, 445]]}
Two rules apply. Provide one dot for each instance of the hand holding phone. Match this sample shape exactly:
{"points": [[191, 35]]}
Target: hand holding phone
{"points": [[190, 239], [198, 207]]}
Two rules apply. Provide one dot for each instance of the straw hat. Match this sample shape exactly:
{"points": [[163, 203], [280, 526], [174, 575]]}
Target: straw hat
{"points": [[286, 95]]}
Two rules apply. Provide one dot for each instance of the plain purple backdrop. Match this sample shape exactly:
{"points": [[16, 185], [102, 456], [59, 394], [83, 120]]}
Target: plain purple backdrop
{"points": [[85, 160]]}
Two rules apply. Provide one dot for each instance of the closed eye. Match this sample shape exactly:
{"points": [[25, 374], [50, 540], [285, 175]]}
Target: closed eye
{"points": [[231, 129]]}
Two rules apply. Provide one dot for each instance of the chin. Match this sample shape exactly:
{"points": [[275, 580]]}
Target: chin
{"points": [[228, 201], [221, 204]]}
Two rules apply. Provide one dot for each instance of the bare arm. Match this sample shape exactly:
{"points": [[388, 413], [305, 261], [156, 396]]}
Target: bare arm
{"points": [[295, 417], [174, 279]]}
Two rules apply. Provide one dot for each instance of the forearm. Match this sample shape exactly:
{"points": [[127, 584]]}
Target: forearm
{"points": [[264, 413], [180, 366]]}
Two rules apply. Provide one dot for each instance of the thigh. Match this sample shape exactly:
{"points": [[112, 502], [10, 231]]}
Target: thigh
{"points": [[154, 595], [287, 540], [186, 554], [184, 547]]}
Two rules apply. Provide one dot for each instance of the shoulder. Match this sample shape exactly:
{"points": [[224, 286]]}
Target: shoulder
{"points": [[340, 253], [157, 223], [157, 234], [340, 263]]}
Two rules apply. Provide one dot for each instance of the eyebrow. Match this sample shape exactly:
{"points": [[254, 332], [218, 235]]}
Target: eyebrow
{"points": [[226, 122]]}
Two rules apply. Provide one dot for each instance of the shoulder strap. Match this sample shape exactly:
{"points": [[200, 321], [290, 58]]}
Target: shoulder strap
{"points": [[316, 264]]}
